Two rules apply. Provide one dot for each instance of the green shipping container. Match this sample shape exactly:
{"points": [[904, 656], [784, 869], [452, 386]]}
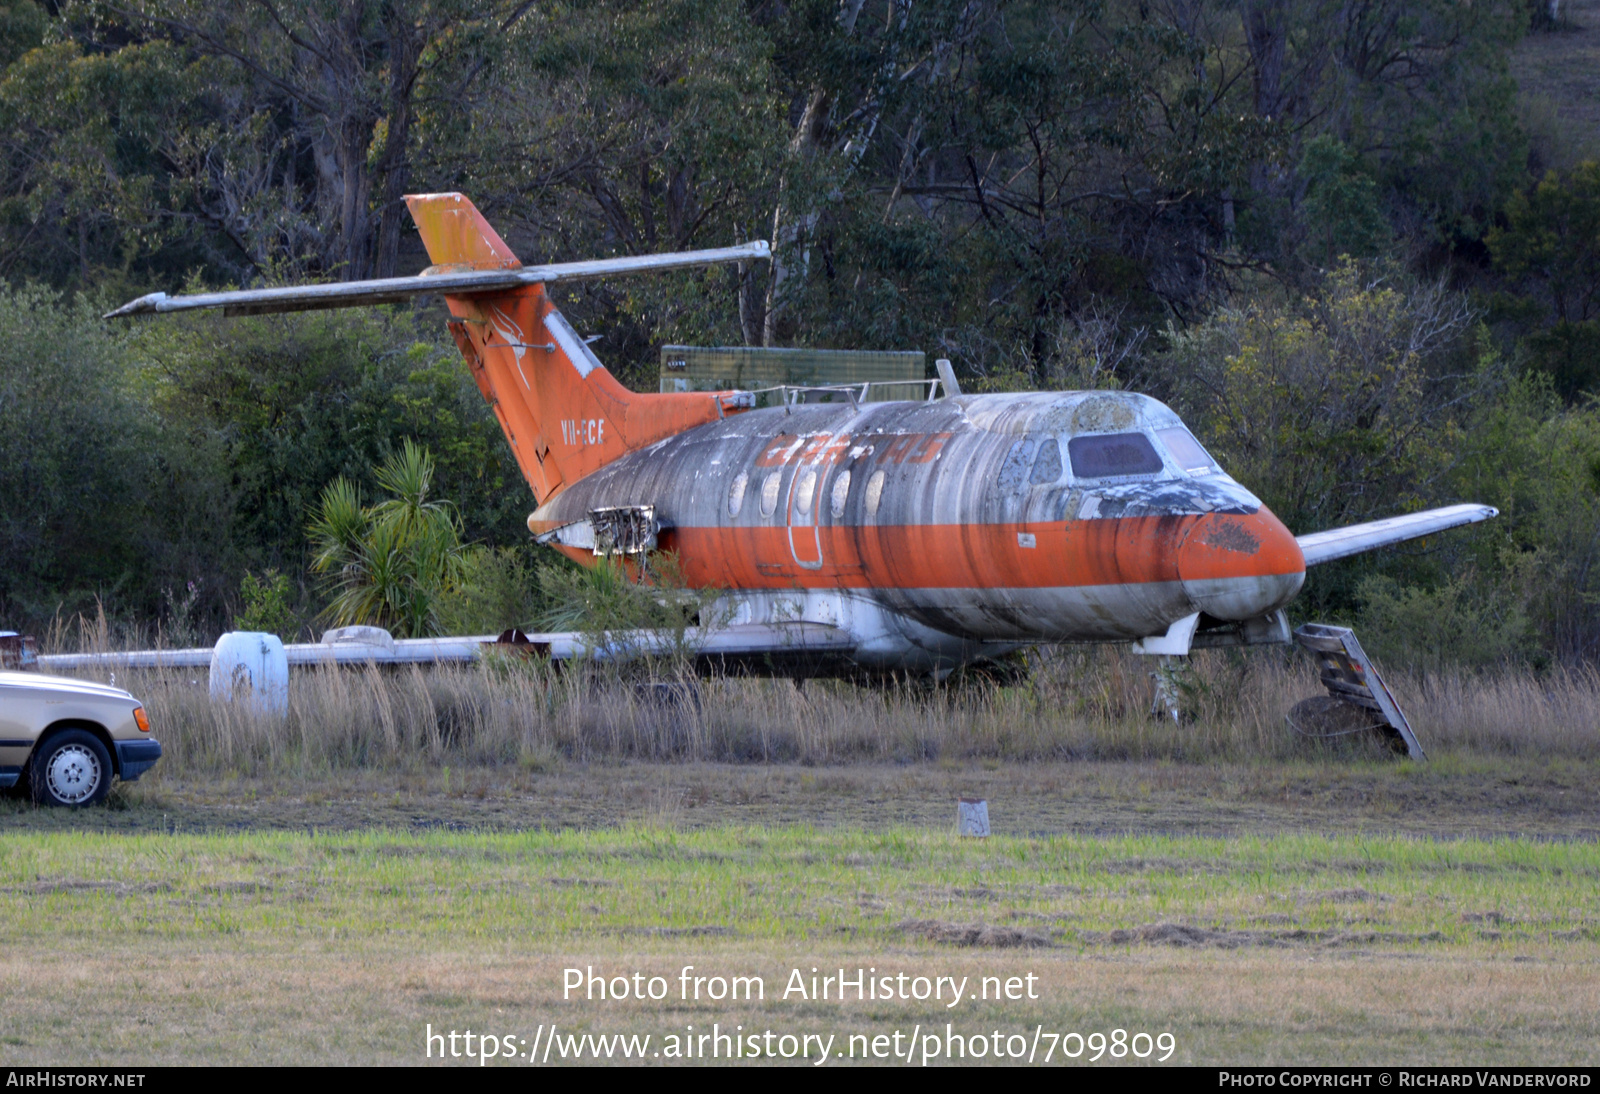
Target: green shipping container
{"points": [[892, 374]]}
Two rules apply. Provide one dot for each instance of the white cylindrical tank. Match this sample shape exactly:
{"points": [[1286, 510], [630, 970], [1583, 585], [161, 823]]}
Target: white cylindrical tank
{"points": [[251, 667]]}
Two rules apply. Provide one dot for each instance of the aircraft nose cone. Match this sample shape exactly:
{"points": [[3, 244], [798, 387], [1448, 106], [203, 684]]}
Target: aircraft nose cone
{"points": [[1240, 566]]}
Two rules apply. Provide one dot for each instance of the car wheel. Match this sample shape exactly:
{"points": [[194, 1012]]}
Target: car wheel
{"points": [[70, 768]]}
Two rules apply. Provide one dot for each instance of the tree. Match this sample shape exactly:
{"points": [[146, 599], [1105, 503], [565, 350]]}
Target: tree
{"points": [[328, 95], [1342, 212], [1552, 236], [1539, 463], [86, 188], [1551, 243], [1340, 407], [603, 128], [282, 405], [387, 565], [79, 460]]}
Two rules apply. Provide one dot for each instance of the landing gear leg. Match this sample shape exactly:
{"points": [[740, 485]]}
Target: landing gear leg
{"points": [[1167, 702]]}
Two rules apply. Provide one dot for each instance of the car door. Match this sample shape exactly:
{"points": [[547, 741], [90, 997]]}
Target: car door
{"points": [[18, 707]]}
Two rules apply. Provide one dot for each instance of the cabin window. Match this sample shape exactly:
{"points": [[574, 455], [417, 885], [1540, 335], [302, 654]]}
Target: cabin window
{"points": [[1187, 451], [736, 493], [1014, 471], [769, 492], [874, 494], [805, 492], [839, 495], [1047, 464], [1112, 454]]}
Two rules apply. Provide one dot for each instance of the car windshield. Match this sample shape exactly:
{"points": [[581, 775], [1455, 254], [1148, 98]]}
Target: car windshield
{"points": [[1112, 454]]}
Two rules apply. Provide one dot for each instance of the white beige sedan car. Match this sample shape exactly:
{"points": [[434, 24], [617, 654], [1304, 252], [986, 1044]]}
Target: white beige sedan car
{"points": [[66, 739]]}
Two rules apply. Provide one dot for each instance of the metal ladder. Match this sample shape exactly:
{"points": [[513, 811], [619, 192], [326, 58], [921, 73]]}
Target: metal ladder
{"points": [[1349, 675]]}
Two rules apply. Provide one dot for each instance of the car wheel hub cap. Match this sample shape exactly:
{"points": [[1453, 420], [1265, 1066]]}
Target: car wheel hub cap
{"points": [[73, 773]]}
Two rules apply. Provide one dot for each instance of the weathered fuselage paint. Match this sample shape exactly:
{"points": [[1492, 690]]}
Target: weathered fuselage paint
{"points": [[931, 512]]}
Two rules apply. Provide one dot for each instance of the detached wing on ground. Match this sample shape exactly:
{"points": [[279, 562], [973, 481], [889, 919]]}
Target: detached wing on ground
{"points": [[747, 644], [1343, 542]]}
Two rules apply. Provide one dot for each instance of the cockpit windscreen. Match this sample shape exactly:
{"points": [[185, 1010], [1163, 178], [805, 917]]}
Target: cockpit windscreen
{"points": [[1186, 450], [1110, 454]]}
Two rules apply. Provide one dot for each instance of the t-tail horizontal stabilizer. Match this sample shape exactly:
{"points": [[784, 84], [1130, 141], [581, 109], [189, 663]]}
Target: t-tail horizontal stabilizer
{"points": [[391, 290], [1357, 538]]}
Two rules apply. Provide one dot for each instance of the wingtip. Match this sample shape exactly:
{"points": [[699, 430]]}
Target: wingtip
{"points": [[144, 305]]}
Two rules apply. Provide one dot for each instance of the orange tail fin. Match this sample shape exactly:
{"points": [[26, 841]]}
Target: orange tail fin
{"points": [[563, 413]]}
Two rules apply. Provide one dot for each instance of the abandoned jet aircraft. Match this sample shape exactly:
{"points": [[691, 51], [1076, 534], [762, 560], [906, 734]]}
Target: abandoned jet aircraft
{"points": [[863, 535]]}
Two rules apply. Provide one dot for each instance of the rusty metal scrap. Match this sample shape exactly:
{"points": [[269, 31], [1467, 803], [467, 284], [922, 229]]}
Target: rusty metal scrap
{"points": [[18, 651], [1351, 677]]}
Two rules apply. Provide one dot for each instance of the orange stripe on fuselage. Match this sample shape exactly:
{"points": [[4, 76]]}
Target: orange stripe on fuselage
{"points": [[1110, 551]]}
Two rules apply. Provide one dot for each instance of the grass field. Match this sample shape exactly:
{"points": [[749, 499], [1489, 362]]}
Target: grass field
{"points": [[413, 850], [311, 948], [160, 944], [1558, 78]]}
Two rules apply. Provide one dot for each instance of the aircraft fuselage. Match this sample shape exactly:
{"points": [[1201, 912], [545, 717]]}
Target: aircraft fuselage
{"points": [[939, 531]]}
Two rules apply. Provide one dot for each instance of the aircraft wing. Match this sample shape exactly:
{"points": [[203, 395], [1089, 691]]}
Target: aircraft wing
{"points": [[739, 642], [1353, 540], [391, 290]]}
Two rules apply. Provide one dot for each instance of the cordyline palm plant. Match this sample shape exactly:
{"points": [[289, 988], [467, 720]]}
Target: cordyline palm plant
{"points": [[388, 565]]}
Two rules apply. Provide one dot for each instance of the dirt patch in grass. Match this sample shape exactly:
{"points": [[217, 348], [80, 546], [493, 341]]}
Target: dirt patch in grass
{"points": [[973, 934], [1341, 896], [75, 885], [1182, 934]]}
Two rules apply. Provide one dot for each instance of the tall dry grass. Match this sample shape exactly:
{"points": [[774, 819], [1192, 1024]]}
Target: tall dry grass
{"points": [[1074, 704]]}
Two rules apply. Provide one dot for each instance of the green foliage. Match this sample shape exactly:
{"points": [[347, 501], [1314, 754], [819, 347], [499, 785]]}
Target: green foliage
{"points": [[103, 199], [1550, 243], [1569, 354], [1342, 211], [498, 589], [1028, 188], [1421, 89], [1537, 462], [267, 605], [612, 597], [1470, 619], [22, 27], [1552, 237], [79, 460], [387, 565], [285, 404], [1334, 407], [1344, 406]]}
